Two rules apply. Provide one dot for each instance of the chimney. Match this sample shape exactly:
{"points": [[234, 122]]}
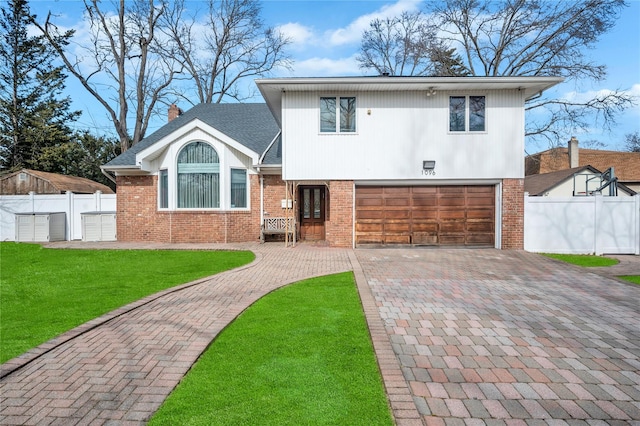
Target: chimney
{"points": [[174, 112], [573, 153]]}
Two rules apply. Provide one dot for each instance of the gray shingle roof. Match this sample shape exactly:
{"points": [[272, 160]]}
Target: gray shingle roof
{"points": [[252, 125]]}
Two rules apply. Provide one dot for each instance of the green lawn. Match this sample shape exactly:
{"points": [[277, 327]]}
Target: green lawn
{"points": [[300, 355], [45, 292], [590, 260], [583, 260], [631, 278]]}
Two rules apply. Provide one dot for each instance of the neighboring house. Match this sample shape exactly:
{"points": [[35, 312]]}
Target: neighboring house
{"points": [[626, 165], [578, 181], [356, 160], [25, 181]]}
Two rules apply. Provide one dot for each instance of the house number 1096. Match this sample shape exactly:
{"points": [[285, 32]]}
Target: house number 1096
{"points": [[429, 172]]}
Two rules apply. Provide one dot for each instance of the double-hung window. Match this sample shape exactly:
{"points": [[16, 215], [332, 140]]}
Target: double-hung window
{"points": [[198, 183], [338, 114], [467, 113]]}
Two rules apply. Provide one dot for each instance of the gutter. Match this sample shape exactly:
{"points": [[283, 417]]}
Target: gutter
{"points": [[108, 175]]}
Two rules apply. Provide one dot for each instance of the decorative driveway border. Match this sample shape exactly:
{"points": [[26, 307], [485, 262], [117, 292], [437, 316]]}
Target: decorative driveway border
{"points": [[509, 337]]}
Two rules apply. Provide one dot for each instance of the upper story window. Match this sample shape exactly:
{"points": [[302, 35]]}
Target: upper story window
{"points": [[338, 114], [467, 113], [198, 183]]}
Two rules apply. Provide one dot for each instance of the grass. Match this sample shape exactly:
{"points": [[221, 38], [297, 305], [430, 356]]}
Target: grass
{"points": [[300, 355], [583, 260], [631, 278], [45, 292]]}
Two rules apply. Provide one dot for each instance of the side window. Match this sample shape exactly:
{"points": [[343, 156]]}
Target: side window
{"points": [[163, 189], [333, 120], [467, 113], [238, 188], [198, 184]]}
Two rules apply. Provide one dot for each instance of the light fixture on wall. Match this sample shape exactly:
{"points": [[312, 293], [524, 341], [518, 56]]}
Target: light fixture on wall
{"points": [[431, 91], [428, 165]]}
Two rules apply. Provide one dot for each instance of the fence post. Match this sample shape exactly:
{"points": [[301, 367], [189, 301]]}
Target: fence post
{"points": [[637, 221], [598, 200], [70, 217]]}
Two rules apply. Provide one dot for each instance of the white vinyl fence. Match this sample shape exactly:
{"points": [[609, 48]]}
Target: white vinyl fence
{"points": [[71, 204], [582, 225]]}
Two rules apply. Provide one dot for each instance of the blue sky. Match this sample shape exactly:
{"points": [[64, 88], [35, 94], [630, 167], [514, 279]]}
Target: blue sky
{"points": [[326, 36]]}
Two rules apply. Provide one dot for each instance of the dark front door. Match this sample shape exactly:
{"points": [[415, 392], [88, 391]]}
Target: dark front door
{"points": [[312, 204]]}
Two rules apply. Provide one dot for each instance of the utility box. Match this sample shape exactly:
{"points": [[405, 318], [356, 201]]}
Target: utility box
{"points": [[40, 227], [98, 226]]}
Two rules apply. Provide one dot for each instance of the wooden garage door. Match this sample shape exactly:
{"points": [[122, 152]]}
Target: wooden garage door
{"points": [[425, 215]]}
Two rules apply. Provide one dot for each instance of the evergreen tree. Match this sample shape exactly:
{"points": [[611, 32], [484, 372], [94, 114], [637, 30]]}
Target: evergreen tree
{"points": [[32, 114]]}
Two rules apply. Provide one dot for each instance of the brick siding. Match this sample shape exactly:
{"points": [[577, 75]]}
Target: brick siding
{"points": [[339, 227], [139, 219], [513, 214]]}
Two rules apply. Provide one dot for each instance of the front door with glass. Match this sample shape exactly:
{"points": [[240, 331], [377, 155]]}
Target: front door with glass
{"points": [[312, 212]]}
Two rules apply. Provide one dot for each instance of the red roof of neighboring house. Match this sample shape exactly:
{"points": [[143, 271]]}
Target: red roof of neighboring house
{"points": [[626, 165]]}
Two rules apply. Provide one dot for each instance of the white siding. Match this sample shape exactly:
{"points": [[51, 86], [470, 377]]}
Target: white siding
{"points": [[396, 131]]}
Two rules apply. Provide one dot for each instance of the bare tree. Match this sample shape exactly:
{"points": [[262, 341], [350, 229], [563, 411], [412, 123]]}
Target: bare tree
{"points": [[223, 48], [407, 45], [538, 38], [123, 65], [632, 141]]}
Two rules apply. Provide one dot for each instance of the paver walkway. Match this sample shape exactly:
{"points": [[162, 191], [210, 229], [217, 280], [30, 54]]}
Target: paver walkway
{"points": [[120, 371], [504, 337], [462, 337]]}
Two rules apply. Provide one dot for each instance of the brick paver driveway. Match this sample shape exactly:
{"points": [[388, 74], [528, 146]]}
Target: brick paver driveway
{"points": [[488, 336]]}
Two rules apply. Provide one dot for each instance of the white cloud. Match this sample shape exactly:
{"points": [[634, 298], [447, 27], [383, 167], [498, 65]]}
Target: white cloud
{"points": [[352, 33], [320, 67], [298, 34]]}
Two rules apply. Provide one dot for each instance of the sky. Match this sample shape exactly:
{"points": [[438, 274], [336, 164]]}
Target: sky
{"points": [[326, 37]]}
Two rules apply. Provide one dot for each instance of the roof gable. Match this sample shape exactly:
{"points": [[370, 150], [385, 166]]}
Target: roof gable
{"points": [[250, 125]]}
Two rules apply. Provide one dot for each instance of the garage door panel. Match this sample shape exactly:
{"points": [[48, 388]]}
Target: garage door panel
{"points": [[451, 240], [426, 215], [451, 214], [397, 239], [369, 202], [397, 214], [395, 228], [369, 214], [375, 228], [425, 238]]}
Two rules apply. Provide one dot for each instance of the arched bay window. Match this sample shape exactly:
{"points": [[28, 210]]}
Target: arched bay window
{"points": [[198, 176]]}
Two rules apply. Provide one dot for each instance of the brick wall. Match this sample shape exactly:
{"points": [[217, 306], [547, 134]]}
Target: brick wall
{"points": [[339, 227], [513, 214], [139, 219]]}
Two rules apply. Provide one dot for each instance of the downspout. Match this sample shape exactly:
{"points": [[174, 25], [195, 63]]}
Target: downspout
{"points": [[261, 198], [111, 178]]}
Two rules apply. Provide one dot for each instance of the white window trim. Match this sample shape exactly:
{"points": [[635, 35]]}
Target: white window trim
{"points": [[160, 208], [337, 129], [226, 163], [467, 115], [247, 188]]}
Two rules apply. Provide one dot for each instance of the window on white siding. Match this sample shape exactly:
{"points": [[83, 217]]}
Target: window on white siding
{"points": [[163, 189], [333, 120], [238, 188], [467, 113], [198, 183]]}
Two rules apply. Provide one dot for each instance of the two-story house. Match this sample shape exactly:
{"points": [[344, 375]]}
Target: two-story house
{"points": [[354, 160]]}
